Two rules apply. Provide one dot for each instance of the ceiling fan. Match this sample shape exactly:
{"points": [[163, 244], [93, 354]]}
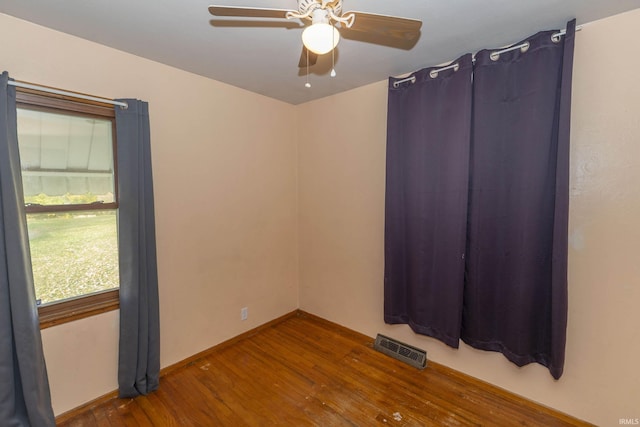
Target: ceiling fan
{"points": [[325, 16]]}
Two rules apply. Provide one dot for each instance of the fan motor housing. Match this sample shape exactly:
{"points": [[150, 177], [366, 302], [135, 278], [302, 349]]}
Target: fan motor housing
{"points": [[305, 5]]}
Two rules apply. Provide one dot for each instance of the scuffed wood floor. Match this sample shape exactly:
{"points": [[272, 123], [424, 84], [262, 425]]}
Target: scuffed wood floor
{"points": [[305, 371]]}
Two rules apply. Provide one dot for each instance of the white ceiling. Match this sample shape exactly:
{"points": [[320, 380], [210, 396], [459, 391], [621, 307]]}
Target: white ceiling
{"points": [[263, 56]]}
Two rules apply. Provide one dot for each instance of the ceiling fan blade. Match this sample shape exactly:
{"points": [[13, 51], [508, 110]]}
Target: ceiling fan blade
{"points": [[387, 26], [253, 23], [251, 12], [313, 58]]}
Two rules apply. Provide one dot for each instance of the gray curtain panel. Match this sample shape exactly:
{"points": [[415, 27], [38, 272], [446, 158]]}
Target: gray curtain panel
{"points": [[515, 299], [139, 352], [25, 399], [428, 138]]}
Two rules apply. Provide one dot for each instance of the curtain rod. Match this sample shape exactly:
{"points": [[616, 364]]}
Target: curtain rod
{"points": [[67, 93], [494, 55]]}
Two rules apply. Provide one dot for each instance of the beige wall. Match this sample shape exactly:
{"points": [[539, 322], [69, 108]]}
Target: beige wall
{"points": [[235, 230], [341, 179], [226, 203]]}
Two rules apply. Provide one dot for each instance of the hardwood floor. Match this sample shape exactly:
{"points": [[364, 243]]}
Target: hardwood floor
{"points": [[305, 371]]}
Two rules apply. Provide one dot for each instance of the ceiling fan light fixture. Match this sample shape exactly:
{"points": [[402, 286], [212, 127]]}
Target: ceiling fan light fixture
{"points": [[320, 38]]}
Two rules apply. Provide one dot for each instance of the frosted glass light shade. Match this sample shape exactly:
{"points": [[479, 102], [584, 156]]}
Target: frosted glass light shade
{"points": [[320, 38]]}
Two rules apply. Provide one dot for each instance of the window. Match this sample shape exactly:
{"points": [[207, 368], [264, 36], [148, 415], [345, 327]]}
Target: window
{"points": [[67, 153]]}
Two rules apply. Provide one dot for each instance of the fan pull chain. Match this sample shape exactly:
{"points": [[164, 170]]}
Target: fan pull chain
{"points": [[307, 84], [333, 54]]}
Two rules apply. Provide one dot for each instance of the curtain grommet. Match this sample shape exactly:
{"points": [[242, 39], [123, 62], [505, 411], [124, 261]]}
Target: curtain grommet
{"points": [[434, 73]]}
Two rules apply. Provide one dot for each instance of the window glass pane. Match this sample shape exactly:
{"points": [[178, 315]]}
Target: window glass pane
{"points": [[73, 253], [65, 159]]}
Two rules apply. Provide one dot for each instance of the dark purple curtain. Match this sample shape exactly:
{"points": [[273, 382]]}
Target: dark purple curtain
{"points": [[428, 133], [515, 296], [491, 168]]}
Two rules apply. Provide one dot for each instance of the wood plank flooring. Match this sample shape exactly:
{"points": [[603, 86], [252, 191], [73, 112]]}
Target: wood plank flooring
{"points": [[305, 371]]}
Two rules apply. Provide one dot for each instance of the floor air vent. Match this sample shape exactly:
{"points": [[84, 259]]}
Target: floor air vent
{"points": [[403, 352]]}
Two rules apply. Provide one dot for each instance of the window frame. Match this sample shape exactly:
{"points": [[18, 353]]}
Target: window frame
{"points": [[68, 310]]}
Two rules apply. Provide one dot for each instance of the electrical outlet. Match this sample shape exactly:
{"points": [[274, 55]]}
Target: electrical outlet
{"points": [[244, 313]]}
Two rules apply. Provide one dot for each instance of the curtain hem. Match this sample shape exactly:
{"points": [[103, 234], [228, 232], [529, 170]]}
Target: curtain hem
{"points": [[543, 359], [424, 330]]}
